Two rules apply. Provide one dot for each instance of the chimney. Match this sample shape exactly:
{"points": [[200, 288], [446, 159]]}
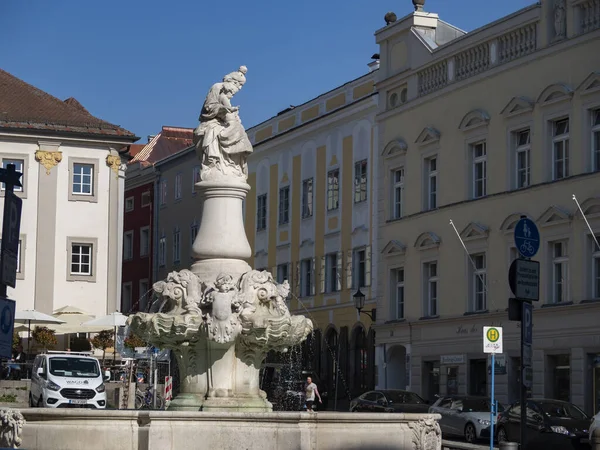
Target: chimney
{"points": [[374, 65], [151, 136]]}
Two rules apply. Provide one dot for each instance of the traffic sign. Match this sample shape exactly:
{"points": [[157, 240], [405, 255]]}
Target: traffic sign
{"points": [[527, 238], [492, 339], [524, 279], [11, 227], [527, 323], [7, 324]]}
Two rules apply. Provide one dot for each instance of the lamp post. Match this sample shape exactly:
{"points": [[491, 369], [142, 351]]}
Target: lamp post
{"points": [[359, 304]]}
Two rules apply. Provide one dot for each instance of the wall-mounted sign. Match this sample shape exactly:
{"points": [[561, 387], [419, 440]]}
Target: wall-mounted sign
{"points": [[452, 359]]}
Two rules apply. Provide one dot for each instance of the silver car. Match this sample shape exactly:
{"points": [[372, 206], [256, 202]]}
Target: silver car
{"points": [[465, 416]]}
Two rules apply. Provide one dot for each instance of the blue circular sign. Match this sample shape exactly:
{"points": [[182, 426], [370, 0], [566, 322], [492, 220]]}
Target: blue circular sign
{"points": [[527, 238]]}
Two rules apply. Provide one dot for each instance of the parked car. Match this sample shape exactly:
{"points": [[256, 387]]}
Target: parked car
{"points": [[465, 416], [595, 424], [390, 400], [551, 424], [67, 380]]}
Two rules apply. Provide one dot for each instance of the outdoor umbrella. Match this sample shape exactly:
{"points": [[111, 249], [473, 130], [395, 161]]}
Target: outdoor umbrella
{"points": [[113, 320], [30, 316], [73, 317]]}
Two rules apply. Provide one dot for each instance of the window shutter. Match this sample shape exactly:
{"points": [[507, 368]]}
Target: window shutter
{"points": [[312, 278], [297, 279], [322, 276], [338, 277], [349, 255], [368, 266]]}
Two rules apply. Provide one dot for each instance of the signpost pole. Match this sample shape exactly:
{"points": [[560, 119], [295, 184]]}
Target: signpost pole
{"points": [[493, 403], [492, 343], [523, 392]]}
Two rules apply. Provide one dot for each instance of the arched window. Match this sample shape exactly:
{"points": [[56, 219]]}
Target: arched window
{"points": [[331, 351]]}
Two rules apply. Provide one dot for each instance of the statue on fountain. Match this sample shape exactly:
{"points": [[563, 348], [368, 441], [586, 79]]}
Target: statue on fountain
{"points": [[221, 318]]}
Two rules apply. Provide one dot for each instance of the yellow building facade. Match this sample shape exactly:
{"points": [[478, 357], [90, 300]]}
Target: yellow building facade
{"points": [[475, 131], [310, 219]]}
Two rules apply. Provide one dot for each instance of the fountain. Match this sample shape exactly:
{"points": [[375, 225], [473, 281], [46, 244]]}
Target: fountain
{"points": [[220, 318]]}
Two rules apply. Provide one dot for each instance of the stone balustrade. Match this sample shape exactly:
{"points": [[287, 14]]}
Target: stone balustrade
{"points": [[589, 13]]}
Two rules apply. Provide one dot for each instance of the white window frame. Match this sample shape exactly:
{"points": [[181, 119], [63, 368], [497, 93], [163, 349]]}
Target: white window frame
{"points": [[284, 205], [178, 186], [479, 278], [176, 246], [333, 189], [75, 194], [21, 166], [195, 178], [431, 201], [162, 251], [561, 263], [308, 189], [479, 161], [143, 288], [306, 277], [560, 140], [145, 196], [261, 212], [163, 192], [129, 204], [127, 285], [145, 246], [128, 250], [522, 149], [595, 139], [398, 286], [92, 244], [356, 272], [332, 277], [21, 248], [595, 275], [397, 193], [431, 288], [361, 177], [281, 276]]}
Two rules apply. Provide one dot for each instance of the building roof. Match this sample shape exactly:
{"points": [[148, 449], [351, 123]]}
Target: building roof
{"points": [[25, 107], [166, 143]]}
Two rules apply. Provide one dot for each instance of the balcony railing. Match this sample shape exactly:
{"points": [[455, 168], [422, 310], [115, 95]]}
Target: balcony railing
{"points": [[590, 15]]}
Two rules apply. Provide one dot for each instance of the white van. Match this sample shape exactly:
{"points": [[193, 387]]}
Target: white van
{"points": [[67, 380]]}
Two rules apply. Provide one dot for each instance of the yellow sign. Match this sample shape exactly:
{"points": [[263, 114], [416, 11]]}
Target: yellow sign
{"points": [[492, 334]]}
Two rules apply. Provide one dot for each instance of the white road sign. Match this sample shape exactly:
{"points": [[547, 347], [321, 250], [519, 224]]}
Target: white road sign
{"points": [[492, 339], [527, 279]]}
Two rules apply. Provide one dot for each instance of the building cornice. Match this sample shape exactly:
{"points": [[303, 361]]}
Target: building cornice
{"points": [[66, 138]]}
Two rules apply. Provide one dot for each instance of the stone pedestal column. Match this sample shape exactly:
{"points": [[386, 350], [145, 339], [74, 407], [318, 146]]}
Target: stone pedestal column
{"points": [[221, 244]]}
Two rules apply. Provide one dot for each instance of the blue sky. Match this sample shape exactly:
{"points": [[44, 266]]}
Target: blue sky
{"points": [[144, 64]]}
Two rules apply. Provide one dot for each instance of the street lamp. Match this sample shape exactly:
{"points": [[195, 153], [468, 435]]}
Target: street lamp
{"points": [[359, 304]]}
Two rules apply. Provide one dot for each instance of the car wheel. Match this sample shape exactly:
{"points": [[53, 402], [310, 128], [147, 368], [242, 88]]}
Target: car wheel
{"points": [[502, 436], [470, 433], [40, 403]]}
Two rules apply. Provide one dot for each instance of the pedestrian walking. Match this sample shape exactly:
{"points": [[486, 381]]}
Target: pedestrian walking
{"points": [[311, 390]]}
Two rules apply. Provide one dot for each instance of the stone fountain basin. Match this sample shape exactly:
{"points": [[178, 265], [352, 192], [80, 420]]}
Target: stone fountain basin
{"points": [[70, 429]]}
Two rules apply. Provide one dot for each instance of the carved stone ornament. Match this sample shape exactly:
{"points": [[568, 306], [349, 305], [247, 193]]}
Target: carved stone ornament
{"points": [[426, 434], [560, 19], [11, 428], [48, 159], [114, 162]]}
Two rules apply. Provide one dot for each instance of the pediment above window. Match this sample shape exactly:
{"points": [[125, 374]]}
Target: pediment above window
{"points": [[427, 240], [285, 179], [359, 229], [555, 93], [474, 231], [394, 248], [518, 105], [429, 135], [509, 224], [397, 147], [306, 243], [260, 253], [554, 216], [474, 119], [591, 207], [590, 84]]}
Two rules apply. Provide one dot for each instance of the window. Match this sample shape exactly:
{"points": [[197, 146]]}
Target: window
{"points": [[431, 289], [397, 293], [284, 205], [596, 140], [144, 295], [261, 212], [162, 251], [129, 203], [128, 245], [479, 155], [163, 192], [523, 158], [306, 278], [82, 259], [360, 181], [19, 167], [398, 193], [193, 233], [126, 298], [560, 262], [478, 288], [560, 149], [195, 178], [307, 198], [332, 275], [595, 268], [359, 264], [178, 186], [333, 189], [431, 183], [145, 198], [176, 246], [283, 272], [144, 241]]}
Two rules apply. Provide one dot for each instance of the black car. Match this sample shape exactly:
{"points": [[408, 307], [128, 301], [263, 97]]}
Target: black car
{"points": [[391, 400], [551, 424]]}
